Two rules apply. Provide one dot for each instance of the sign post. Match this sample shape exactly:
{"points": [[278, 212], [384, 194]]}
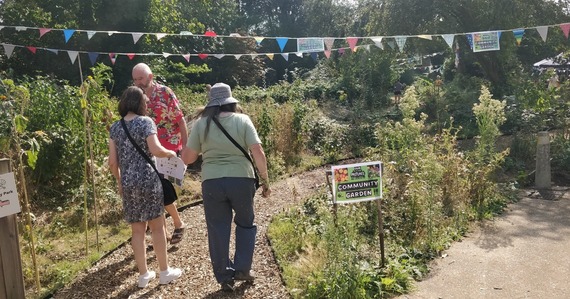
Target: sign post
{"points": [[11, 277], [359, 182]]}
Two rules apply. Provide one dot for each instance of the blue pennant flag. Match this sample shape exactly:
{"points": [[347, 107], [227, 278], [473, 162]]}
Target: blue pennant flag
{"points": [[314, 56], [282, 41], [93, 57], [68, 33]]}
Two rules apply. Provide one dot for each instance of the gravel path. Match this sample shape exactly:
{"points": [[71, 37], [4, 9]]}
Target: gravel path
{"points": [[115, 275]]}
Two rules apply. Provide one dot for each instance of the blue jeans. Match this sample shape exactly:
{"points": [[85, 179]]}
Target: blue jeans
{"points": [[222, 198]]}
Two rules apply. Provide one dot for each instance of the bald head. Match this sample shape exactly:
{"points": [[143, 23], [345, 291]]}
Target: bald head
{"points": [[142, 76]]}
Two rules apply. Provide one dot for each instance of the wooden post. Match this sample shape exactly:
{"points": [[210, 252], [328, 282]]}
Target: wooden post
{"points": [[381, 231], [328, 174], [11, 277], [542, 176]]}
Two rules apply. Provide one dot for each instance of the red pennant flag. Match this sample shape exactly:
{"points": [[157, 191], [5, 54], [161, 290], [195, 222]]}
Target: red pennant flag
{"points": [[44, 31], [210, 33], [352, 42], [328, 53], [113, 57], [131, 55], [565, 28], [203, 56], [187, 57], [32, 49]]}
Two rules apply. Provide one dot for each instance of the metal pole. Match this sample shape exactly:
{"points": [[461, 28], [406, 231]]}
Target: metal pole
{"points": [[542, 177]]}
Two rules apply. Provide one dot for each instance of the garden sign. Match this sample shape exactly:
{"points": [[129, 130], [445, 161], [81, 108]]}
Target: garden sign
{"points": [[357, 182], [9, 203]]}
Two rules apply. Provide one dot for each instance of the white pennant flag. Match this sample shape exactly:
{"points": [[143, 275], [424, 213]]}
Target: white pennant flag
{"points": [[378, 42], [8, 49], [136, 37], [329, 43], [90, 34], [299, 54], [237, 56], [160, 35], [285, 56], [401, 41], [448, 39], [21, 28], [1, 27], [367, 48], [165, 55], [72, 56], [219, 56], [112, 32], [543, 31], [425, 36]]}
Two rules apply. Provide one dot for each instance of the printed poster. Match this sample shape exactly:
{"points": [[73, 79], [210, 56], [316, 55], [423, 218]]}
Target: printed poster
{"points": [[486, 41], [9, 203], [357, 182], [172, 169], [310, 45]]}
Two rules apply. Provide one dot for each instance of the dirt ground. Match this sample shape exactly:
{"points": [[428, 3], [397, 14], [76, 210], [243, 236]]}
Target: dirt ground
{"points": [[522, 254]]}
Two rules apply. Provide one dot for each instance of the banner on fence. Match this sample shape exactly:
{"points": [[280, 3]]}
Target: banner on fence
{"points": [[310, 45], [357, 182]]}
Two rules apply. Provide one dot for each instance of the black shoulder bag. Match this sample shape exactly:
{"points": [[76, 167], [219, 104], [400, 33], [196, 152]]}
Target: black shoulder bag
{"points": [[169, 192], [246, 154]]}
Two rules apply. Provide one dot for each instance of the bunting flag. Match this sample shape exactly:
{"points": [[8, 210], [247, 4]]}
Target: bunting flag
{"points": [[187, 57], [378, 42], [328, 53], [543, 31], [93, 57], [210, 33], [341, 51], [113, 57], [470, 40], [44, 31], [425, 37], [90, 34], [401, 41], [299, 54], [285, 56], [203, 56], [352, 41], [329, 42], [270, 56], [131, 56], [68, 33], [165, 55], [109, 33], [72, 56], [237, 56], [367, 48], [235, 35], [448, 39], [258, 40], [219, 56], [54, 51], [314, 56], [32, 49], [136, 37], [8, 49], [281, 41], [1, 27], [565, 28], [392, 44], [159, 36], [21, 28], [186, 33], [518, 35]]}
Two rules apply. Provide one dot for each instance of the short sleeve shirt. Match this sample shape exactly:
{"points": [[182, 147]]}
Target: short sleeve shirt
{"points": [[163, 107], [221, 158]]}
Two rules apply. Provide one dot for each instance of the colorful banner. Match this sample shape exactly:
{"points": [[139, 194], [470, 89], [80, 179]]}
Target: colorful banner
{"points": [[357, 182], [310, 45], [486, 41]]}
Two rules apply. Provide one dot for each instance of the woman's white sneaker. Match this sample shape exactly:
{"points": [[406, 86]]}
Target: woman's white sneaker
{"points": [[169, 275], [145, 278]]}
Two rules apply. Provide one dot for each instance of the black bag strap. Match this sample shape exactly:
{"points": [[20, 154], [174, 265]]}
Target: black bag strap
{"points": [[246, 154], [143, 154]]}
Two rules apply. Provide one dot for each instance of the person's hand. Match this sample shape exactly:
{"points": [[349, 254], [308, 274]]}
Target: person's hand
{"points": [[265, 190], [171, 154]]}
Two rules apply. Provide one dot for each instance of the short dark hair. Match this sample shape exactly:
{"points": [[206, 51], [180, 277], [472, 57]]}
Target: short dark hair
{"points": [[133, 100]]}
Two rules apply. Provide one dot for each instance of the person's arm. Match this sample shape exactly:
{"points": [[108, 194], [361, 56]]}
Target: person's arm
{"points": [[156, 149], [114, 164], [183, 131], [189, 155], [261, 165]]}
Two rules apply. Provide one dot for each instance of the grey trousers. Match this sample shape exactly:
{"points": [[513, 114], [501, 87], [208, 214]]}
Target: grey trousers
{"points": [[223, 197]]}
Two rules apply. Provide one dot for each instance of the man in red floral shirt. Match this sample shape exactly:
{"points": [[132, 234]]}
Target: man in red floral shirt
{"points": [[163, 107]]}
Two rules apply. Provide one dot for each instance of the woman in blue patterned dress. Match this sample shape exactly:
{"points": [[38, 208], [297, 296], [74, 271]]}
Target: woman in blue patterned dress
{"points": [[139, 185]]}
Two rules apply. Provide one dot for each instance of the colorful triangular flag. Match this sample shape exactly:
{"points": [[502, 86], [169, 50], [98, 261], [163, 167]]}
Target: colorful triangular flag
{"points": [[68, 33], [392, 44], [93, 57], [258, 40], [187, 57], [328, 53], [219, 56], [401, 41], [44, 31], [329, 42], [282, 41], [8, 49], [32, 49], [131, 56], [72, 56], [136, 37], [448, 39], [203, 56], [270, 56], [352, 41], [165, 55], [425, 36], [518, 35], [21, 28], [237, 56], [113, 57], [285, 56], [565, 28], [543, 31], [90, 34], [314, 56], [54, 51], [159, 36], [210, 33], [378, 42]]}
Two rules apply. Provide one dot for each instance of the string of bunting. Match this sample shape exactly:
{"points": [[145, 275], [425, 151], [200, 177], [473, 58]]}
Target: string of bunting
{"points": [[478, 41]]}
